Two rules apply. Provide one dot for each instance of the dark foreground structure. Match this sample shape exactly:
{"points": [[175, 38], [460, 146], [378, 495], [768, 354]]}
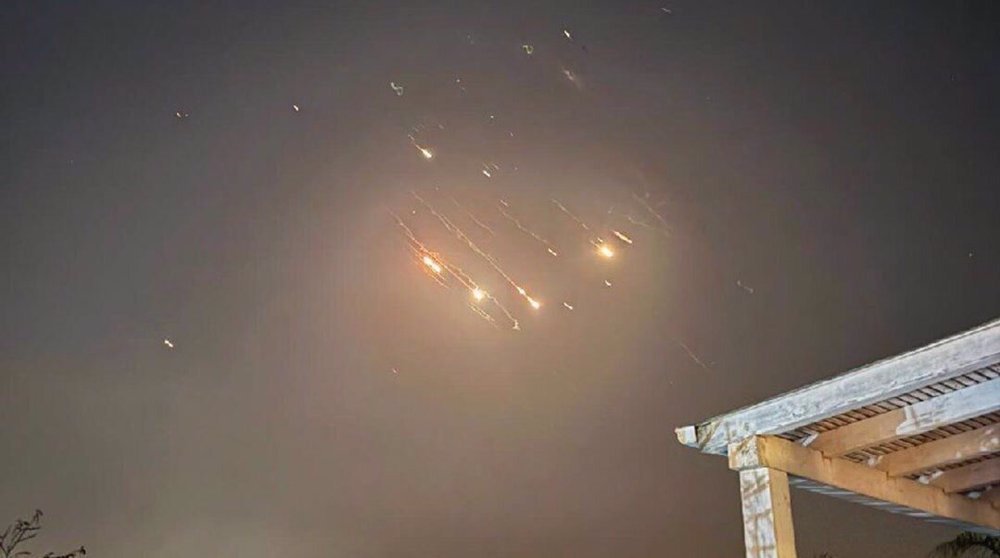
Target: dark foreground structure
{"points": [[915, 434]]}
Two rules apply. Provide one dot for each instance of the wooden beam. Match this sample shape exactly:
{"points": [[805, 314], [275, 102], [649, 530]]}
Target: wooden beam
{"points": [[870, 384], [911, 420], [953, 449], [767, 514], [775, 453], [992, 497], [971, 476]]}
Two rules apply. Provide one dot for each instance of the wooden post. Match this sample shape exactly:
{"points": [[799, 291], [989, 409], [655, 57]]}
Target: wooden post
{"points": [[767, 513]]}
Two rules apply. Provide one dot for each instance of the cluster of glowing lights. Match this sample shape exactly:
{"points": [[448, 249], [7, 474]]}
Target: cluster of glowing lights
{"points": [[440, 269]]}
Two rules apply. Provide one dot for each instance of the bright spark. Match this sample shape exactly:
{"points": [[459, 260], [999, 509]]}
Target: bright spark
{"points": [[568, 305], [478, 294], [433, 265], [568, 35], [534, 303], [607, 283], [427, 153], [553, 252], [168, 343], [528, 49], [397, 88], [606, 251], [295, 108]]}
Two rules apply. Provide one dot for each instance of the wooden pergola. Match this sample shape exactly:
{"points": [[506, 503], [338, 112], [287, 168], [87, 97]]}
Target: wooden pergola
{"points": [[915, 434]]}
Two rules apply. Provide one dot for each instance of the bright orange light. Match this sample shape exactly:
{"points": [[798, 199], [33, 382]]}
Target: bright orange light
{"points": [[433, 265], [534, 303], [478, 294], [605, 251]]}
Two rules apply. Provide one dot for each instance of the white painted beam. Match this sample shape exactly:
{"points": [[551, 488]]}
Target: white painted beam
{"points": [[911, 420], [775, 453], [875, 382], [767, 514], [953, 449]]}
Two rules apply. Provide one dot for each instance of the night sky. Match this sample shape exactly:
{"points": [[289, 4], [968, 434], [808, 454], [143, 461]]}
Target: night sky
{"points": [[224, 175]]}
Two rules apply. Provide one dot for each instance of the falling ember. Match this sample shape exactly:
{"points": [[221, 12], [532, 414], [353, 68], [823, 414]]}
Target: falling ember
{"points": [[534, 303], [487, 174], [567, 34], [605, 251], [553, 252], [568, 305], [397, 88], [295, 108], [168, 343], [478, 294], [528, 49], [622, 237], [433, 265], [607, 283], [427, 153]]}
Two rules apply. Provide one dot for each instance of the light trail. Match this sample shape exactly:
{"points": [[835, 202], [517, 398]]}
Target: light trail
{"points": [[454, 229], [621, 236], [478, 223], [691, 354], [645, 204], [570, 214], [548, 246], [436, 266]]}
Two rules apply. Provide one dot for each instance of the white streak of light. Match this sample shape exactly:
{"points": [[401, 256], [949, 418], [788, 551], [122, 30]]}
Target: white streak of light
{"points": [[622, 237]]}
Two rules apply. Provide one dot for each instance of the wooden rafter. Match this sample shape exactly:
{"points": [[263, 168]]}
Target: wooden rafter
{"points": [[953, 449], [968, 477], [776, 453]]}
